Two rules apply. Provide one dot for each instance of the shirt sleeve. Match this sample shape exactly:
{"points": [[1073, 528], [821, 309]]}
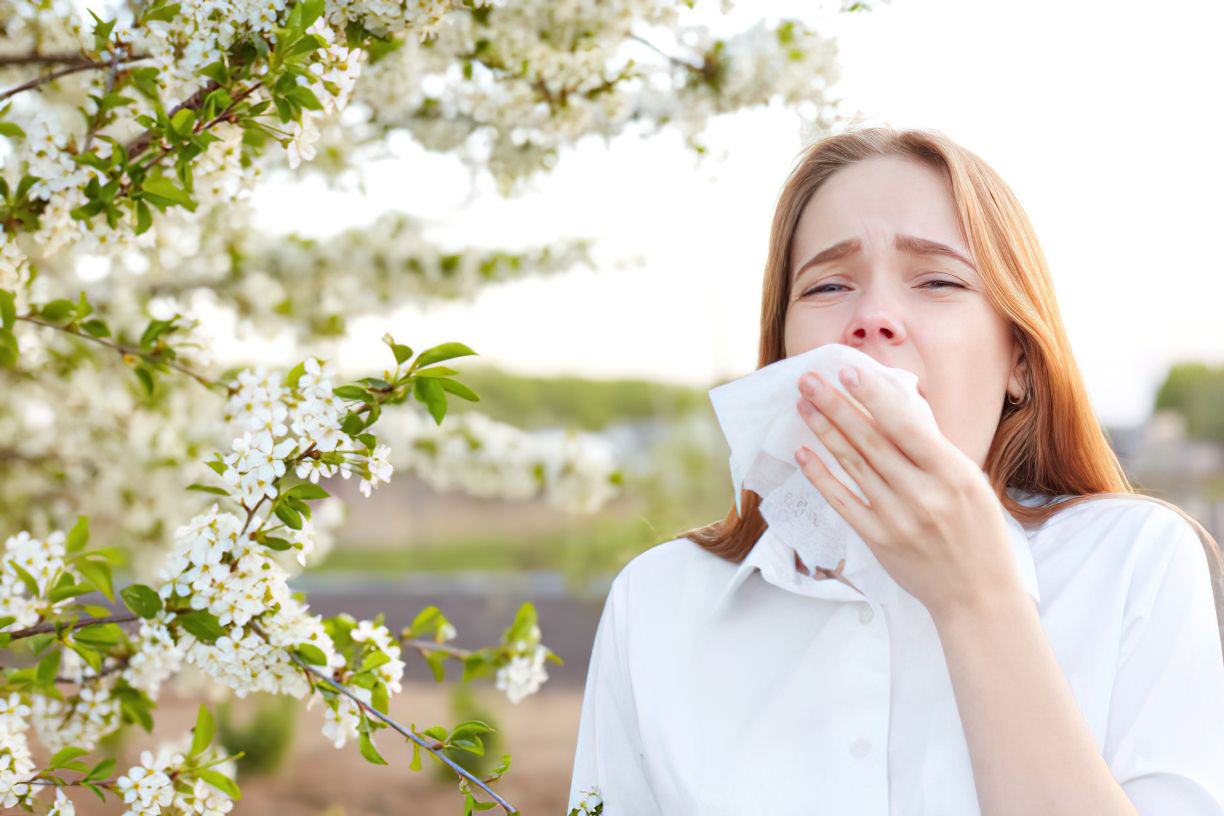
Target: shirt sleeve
{"points": [[1165, 738], [609, 756]]}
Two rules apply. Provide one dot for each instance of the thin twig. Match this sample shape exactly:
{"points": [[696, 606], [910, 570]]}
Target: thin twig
{"points": [[436, 647], [84, 65], [396, 727], [96, 120], [126, 350], [43, 628], [673, 60]]}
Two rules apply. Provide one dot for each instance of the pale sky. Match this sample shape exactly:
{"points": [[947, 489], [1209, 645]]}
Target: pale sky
{"points": [[1103, 117]]}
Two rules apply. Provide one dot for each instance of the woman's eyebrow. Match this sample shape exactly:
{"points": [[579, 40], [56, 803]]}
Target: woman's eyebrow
{"points": [[905, 243]]}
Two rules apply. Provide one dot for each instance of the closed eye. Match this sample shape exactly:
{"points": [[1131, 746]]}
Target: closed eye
{"points": [[823, 287]]}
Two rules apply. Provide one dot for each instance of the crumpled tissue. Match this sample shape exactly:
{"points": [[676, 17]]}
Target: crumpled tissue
{"points": [[763, 427]]}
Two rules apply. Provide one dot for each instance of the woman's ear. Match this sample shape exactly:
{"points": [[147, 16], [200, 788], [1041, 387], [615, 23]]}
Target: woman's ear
{"points": [[1017, 382]]}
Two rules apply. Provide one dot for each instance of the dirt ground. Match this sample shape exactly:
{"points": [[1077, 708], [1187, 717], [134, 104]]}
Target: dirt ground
{"points": [[319, 780]]}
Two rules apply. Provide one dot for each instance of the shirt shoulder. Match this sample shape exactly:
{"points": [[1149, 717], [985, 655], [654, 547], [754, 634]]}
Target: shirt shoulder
{"points": [[1131, 537], [669, 574]]}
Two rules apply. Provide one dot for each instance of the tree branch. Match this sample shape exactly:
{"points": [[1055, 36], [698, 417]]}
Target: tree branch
{"points": [[127, 351], [80, 64], [44, 628]]}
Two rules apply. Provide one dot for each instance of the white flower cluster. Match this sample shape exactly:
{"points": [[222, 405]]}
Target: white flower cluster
{"points": [[217, 567], [483, 457], [342, 717], [75, 442], [302, 283], [43, 560], [16, 764], [83, 720], [149, 788], [525, 672], [269, 411], [592, 797]]}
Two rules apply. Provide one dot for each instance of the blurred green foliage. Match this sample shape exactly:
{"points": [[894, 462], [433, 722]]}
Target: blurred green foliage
{"points": [[264, 737], [1196, 391], [574, 402]]}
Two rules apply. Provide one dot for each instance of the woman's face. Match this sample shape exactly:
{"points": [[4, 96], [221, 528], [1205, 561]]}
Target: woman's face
{"points": [[901, 295]]}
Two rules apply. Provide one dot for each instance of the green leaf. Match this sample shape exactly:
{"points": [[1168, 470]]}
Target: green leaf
{"points": [[374, 660], [435, 371], [101, 635], [433, 395], [96, 328], [64, 756], [44, 675], [295, 374], [290, 516], [144, 217], [78, 536], [369, 751], [202, 734], [97, 573], [309, 653], [141, 599], [135, 707], [446, 351], [415, 765], [11, 130], [278, 544], [221, 782], [203, 488], [201, 623], [472, 745], [164, 13], [31, 584], [146, 378], [352, 392], [303, 95], [101, 770], [9, 350], [91, 656], [400, 351], [182, 121], [8, 309], [57, 311], [437, 663], [307, 491], [459, 389], [379, 698], [163, 192]]}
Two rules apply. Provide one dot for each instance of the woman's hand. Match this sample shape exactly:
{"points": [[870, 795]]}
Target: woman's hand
{"points": [[934, 523]]}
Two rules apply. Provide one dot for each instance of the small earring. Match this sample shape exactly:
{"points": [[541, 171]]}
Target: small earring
{"points": [[1016, 401]]}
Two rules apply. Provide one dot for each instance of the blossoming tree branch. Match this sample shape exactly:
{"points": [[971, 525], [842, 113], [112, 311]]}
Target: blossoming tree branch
{"points": [[132, 139]]}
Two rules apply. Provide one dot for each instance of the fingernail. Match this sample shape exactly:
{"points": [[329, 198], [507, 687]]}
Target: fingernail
{"points": [[850, 375], [813, 383]]}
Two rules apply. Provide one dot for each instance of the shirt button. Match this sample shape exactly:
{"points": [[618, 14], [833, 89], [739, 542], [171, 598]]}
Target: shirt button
{"points": [[860, 747], [866, 613]]}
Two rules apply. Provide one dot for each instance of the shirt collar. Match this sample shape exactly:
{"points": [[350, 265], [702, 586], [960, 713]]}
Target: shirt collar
{"points": [[768, 548]]}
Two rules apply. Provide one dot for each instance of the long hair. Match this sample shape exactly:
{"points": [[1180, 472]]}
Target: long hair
{"points": [[1051, 443]]}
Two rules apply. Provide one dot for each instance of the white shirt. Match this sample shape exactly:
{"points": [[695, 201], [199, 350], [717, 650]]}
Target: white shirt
{"points": [[722, 688]]}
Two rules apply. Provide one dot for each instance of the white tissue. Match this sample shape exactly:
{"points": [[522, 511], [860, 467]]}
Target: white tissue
{"points": [[763, 427]]}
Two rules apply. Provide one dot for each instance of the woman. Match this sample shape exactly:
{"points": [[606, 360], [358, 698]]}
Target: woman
{"points": [[714, 690]]}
